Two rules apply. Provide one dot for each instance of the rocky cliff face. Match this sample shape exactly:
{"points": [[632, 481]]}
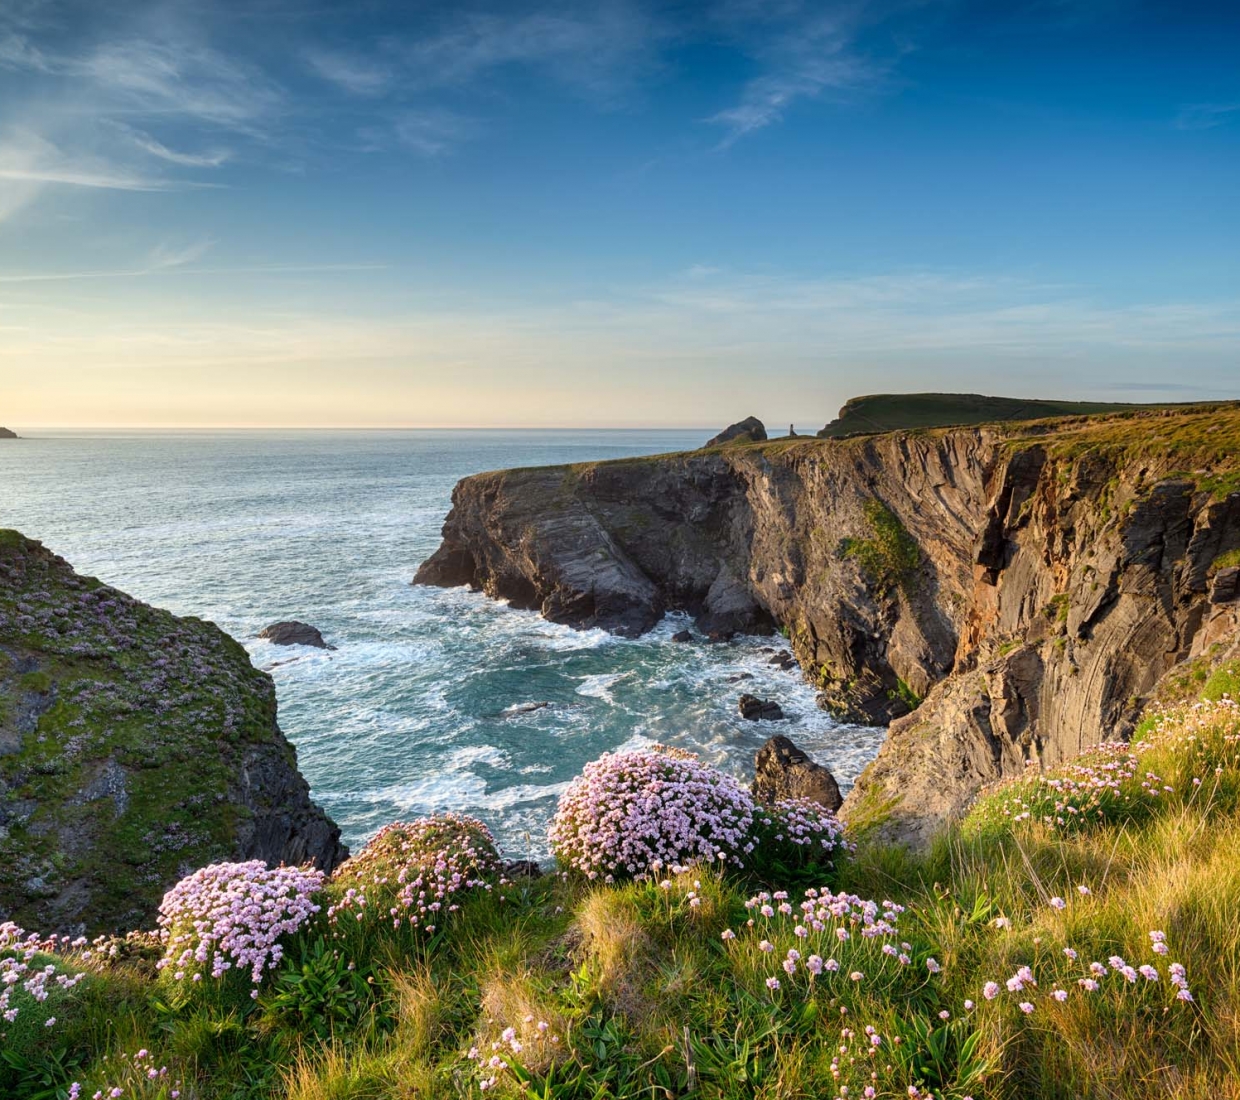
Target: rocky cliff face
{"points": [[134, 747], [1029, 582]]}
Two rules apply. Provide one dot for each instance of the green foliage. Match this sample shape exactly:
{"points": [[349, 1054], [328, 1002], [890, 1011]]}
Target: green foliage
{"points": [[1225, 561], [890, 556], [321, 992], [1224, 680], [38, 682], [906, 694]]}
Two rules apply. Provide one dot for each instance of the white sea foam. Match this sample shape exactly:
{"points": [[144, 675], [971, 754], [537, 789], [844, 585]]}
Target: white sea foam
{"points": [[599, 685]]}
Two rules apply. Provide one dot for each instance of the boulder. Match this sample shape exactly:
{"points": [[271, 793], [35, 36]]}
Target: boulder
{"points": [[749, 430], [781, 770], [292, 632], [755, 709], [682, 636]]}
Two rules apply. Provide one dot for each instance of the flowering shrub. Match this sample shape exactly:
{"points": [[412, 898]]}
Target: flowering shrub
{"points": [[415, 872], [796, 835], [629, 811], [233, 915]]}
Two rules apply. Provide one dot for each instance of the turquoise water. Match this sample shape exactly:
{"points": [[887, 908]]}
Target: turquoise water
{"points": [[422, 706]]}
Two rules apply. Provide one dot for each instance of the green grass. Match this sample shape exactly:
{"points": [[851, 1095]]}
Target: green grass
{"points": [[645, 999], [885, 412]]}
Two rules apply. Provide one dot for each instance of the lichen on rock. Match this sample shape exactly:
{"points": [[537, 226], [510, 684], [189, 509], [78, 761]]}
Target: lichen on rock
{"points": [[135, 746]]}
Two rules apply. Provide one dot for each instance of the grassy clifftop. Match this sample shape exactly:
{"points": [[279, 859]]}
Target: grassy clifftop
{"points": [[885, 412]]}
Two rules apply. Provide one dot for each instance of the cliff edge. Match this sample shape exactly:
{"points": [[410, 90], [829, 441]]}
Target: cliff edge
{"points": [[135, 747], [1005, 593]]}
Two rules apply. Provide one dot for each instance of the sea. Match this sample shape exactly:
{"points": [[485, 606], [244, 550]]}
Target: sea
{"points": [[433, 699]]}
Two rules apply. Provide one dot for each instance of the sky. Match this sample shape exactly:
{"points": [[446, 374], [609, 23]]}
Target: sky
{"points": [[612, 213]]}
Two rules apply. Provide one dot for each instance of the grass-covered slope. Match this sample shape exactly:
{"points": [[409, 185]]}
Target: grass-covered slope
{"points": [[886, 412], [1074, 937], [134, 746]]}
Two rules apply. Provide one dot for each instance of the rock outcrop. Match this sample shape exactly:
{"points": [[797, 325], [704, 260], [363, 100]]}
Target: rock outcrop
{"points": [[6, 433], [755, 709], [135, 746], [292, 632], [749, 430], [1022, 586], [782, 770]]}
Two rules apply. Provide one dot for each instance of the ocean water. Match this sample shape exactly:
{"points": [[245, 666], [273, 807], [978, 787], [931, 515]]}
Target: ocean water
{"points": [[431, 700]]}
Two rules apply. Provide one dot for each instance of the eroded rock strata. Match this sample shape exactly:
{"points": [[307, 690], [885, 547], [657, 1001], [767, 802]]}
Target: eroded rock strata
{"points": [[1018, 588], [135, 747]]}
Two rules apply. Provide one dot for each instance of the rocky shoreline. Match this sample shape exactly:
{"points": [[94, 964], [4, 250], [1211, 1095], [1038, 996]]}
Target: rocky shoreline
{"points": [[1009, 593]]}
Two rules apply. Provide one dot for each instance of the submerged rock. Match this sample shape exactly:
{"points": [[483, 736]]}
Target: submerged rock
{"points": [[292, 632], [135, 746], [682, 636], [782, 770], [749, 430], [755, 709]]}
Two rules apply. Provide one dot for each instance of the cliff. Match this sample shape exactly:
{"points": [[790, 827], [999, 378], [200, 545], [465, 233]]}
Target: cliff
{"points": [[1030, 582], [135, 746]]}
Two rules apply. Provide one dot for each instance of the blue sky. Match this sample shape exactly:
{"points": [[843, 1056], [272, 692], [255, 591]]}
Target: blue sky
{"points": [[610, 213]]}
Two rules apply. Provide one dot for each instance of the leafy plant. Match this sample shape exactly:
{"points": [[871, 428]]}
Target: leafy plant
{"points": [[321, 992]]}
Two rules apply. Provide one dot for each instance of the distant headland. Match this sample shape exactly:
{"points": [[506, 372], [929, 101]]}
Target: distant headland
{"points": [[6, 433]]}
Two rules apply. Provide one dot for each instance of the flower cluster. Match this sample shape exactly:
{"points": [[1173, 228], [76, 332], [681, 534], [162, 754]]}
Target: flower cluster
{"points": [[631, 812], [233, 915], [19, 968], [838, 938], [514, 1046], [139, 1076], [415, 872]]}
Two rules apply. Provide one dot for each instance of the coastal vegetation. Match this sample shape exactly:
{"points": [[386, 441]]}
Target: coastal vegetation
{"points": [[1072, 936], [885, 412]]}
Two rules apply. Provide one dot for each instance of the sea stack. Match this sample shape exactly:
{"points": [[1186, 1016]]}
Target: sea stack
{"points": [[6, 433]]}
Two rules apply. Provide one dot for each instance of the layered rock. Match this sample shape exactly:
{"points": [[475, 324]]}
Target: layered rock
{"points": [[135, 746], [1030, 582]]}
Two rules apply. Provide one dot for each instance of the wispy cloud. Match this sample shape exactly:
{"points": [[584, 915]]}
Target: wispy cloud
{"points": [[1205, 116], [432, 132], [357, 75], [806, 54], [601, 49], [159, 150], [28, 158]]}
